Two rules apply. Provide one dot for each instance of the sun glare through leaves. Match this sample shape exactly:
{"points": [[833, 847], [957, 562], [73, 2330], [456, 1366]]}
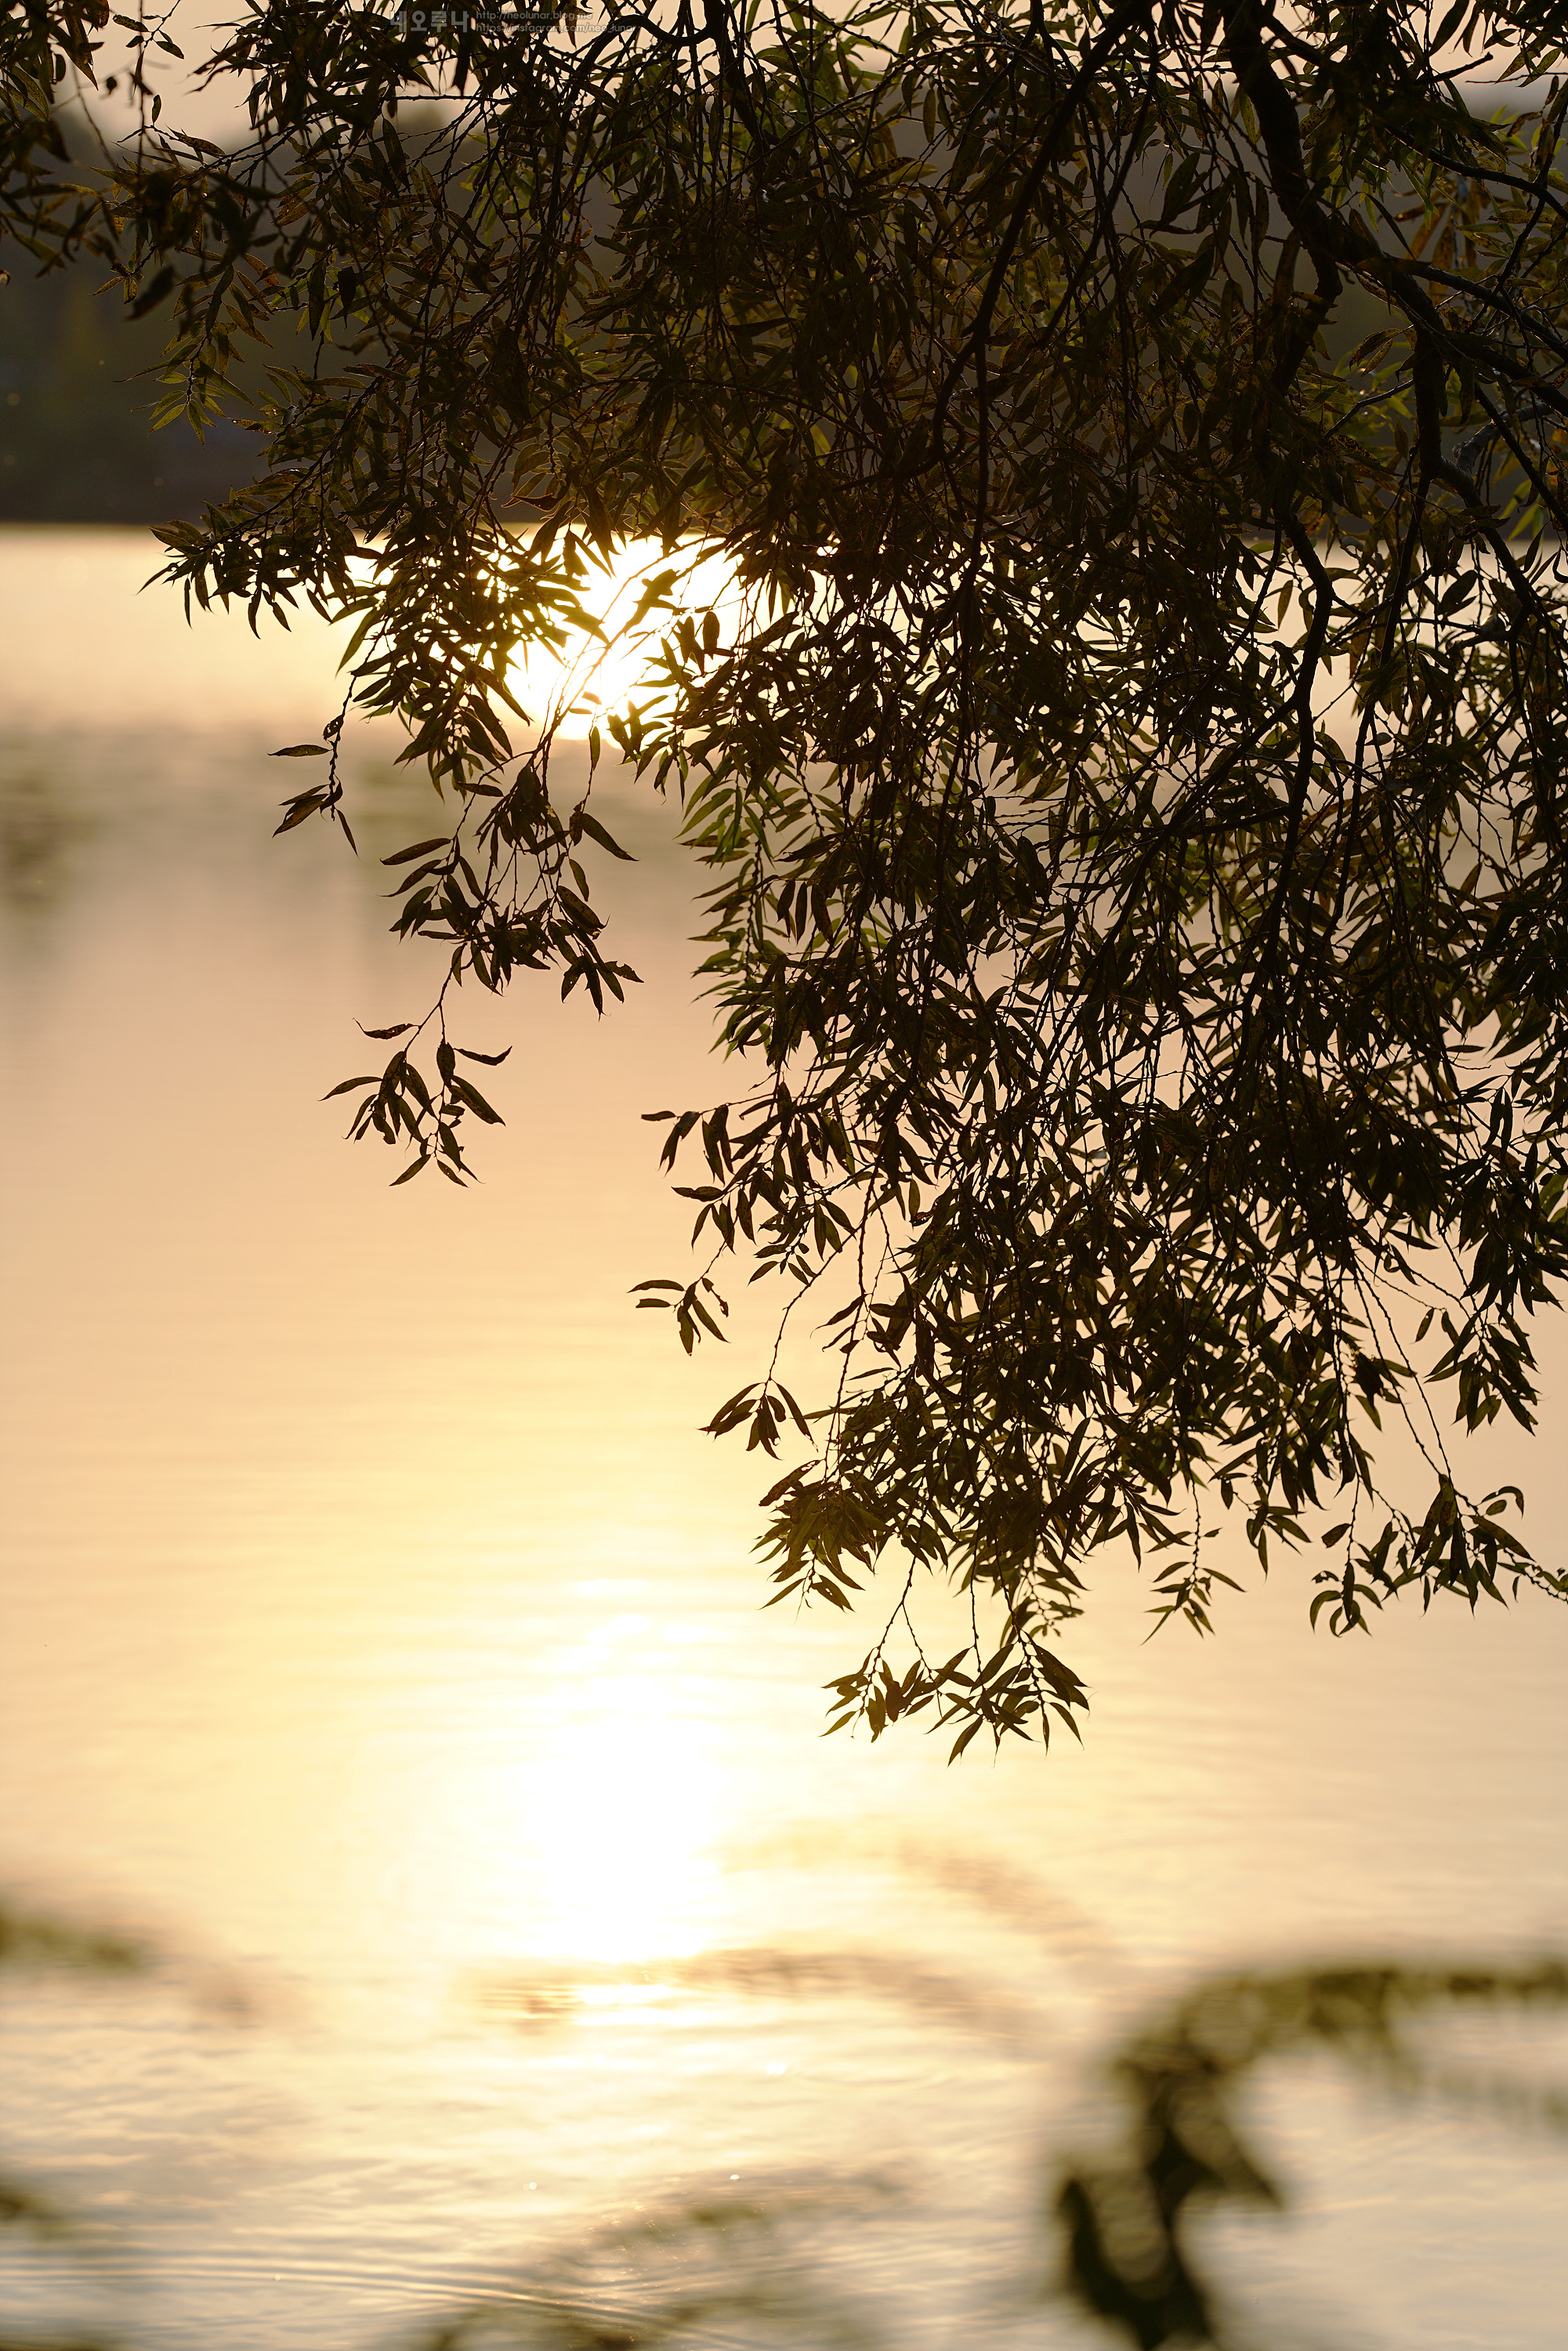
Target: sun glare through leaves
{"points": [[639, 598]]}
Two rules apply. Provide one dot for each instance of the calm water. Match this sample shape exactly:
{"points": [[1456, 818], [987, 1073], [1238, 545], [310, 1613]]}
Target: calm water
{"points": [[379, 1633]]}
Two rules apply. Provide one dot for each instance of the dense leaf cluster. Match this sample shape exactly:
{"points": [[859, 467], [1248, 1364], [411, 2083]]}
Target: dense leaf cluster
{"points": [[42, 42], [1129, 755]]}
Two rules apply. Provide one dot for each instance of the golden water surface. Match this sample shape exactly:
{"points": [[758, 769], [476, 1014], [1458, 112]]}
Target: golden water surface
{"points": [[379, 1634]]}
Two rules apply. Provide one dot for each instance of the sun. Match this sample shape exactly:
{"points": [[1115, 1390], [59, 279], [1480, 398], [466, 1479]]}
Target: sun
{"points": [[599, 673], [620, 1812]]}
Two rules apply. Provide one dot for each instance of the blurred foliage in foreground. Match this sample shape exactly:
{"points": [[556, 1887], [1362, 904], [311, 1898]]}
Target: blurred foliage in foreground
{"points": [[1182, 2146], [31, 1941], [1119, 2215]]}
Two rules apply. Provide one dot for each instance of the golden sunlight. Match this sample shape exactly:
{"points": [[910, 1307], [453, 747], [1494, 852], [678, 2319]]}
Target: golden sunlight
{"points": [[602, 672], [620, 1812]]}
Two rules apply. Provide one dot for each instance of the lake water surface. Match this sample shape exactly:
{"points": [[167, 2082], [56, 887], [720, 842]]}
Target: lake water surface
{"points": [[378, 1632]]}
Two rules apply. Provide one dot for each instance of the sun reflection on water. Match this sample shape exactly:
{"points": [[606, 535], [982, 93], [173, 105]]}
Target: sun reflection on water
{"points": [[622, 1815]]}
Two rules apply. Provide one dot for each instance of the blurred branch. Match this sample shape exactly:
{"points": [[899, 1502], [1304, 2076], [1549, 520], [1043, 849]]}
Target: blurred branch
{"points": [[34, 1940], [1124, 2212]]}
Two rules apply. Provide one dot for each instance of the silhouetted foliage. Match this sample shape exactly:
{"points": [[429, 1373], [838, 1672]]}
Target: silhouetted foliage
{"points": [[1129, 758]]}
